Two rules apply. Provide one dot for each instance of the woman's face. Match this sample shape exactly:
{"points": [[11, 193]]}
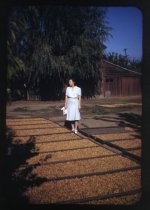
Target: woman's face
{"points": [[71, 82]]}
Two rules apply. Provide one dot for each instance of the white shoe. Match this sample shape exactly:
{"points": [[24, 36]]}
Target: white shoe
{"points": [[75, 131]]}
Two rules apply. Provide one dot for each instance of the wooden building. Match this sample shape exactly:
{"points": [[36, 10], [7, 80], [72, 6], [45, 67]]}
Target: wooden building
{"points": [[119, 81]]}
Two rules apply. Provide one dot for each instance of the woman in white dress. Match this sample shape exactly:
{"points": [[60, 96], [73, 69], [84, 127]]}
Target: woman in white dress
{"points": [[73, 104]]}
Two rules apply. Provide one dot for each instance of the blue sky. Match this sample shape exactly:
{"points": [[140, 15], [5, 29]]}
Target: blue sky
{"points": [[127, 31]]}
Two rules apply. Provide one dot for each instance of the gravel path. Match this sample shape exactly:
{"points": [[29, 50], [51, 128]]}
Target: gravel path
{"points": [[64, 167], [80, 188]]}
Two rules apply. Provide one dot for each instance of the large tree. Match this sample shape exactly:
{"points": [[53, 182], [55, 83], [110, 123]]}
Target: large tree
{"points": [[19, 47], [58, 42]]}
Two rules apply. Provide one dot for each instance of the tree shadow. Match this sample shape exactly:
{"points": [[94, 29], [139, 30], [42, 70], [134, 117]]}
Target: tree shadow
{"points": [[129, 121], [133, 121], [67, 124], [16, 157]]}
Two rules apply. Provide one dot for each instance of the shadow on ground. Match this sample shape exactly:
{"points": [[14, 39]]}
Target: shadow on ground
{"points": [[133, 121], [17, 155], [130, 120]]}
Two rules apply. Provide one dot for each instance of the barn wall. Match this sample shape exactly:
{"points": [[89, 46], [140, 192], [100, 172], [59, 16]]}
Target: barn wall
{"points": [[131, 86], [123, 86], [119, 82]]}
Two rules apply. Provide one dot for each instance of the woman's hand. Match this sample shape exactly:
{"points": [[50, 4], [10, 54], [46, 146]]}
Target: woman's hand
{"points": [[79, 106]]}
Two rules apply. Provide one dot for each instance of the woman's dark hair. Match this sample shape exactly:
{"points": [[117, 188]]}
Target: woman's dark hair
{"points": [[73, 80]]}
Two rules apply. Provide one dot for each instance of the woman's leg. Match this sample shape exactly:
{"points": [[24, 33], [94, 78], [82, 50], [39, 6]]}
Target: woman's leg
{"points": [[76, 125], [73, 126]]}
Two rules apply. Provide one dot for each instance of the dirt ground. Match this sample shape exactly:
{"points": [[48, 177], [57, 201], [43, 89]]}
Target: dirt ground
{"points": [[95, 112]]}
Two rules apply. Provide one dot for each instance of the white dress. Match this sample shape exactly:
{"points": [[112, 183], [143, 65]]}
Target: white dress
{"points": [[73, 112]]}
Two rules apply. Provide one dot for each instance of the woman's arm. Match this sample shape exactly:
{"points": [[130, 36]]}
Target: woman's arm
{"points": [[79, 102], [66, 100]]}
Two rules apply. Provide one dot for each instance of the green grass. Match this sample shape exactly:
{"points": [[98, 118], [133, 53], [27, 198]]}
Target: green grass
{"points": [[24, 109], [124, 108], [94, 110], [98, 110]]}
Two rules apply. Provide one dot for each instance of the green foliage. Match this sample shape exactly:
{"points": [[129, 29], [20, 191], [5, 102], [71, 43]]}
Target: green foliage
{"points": [[124, 61], [47, 45]]}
